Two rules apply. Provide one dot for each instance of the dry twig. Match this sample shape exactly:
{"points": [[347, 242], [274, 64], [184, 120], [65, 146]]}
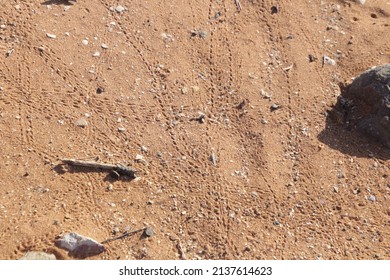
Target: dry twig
{"points": [[127, 233], [118, 168]]}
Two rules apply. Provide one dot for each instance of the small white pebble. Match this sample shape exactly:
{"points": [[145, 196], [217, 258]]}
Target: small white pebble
{"points": [[51, 36]]}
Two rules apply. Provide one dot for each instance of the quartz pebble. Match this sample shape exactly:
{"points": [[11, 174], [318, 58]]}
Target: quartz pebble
{"points": [[82, 122], [327, 60], [120, 9]]}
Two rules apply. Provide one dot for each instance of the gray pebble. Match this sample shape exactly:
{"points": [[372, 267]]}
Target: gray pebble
{"points": [[144, 149], [149, 232], [82, 122], [202, 34], [371, 198], [120, 9]]}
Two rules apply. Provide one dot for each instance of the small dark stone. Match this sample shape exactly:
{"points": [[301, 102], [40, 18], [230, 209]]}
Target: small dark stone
{"points": [[276, 223], [100, 90], [312, 58], [217, 15], [274, 10]]}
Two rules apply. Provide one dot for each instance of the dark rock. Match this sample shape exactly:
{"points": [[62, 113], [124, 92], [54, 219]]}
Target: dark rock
{"points": [[100, 90], [79, 246], [364, 105]]}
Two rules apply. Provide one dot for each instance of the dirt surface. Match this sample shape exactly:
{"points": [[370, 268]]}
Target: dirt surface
{"points": [[264, 174]]}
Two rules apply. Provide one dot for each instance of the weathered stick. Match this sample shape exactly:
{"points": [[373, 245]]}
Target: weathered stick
{"points": [[127, 233], [119, 168], [89, 163]]}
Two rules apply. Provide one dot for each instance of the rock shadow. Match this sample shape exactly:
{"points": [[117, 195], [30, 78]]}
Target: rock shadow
{"points": [[345, 134]]}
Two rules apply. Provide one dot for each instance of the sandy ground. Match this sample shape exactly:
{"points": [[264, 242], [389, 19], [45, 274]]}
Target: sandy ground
{"points": [[285, 181]]}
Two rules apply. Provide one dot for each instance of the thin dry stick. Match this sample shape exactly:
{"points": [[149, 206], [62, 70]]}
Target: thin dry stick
{"points": [[238, 5], [127, 233], [89, 163], [119, 168]]}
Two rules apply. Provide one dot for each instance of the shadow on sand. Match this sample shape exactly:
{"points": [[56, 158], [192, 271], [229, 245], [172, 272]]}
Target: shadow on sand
{"points": [[340, 135]]}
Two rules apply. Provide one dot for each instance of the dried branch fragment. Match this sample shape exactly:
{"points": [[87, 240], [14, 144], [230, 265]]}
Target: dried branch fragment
{"points": [[118, 168], [127, 233]]}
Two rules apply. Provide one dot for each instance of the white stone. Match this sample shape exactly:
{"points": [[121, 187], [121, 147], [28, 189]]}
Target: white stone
{"points": [[120, 9], [84, 42], [329, 61], [51, 36], [82, 122]]}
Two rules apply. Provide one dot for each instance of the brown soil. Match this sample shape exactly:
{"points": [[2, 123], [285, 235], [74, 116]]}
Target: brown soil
{"points": [[287, 184]]}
